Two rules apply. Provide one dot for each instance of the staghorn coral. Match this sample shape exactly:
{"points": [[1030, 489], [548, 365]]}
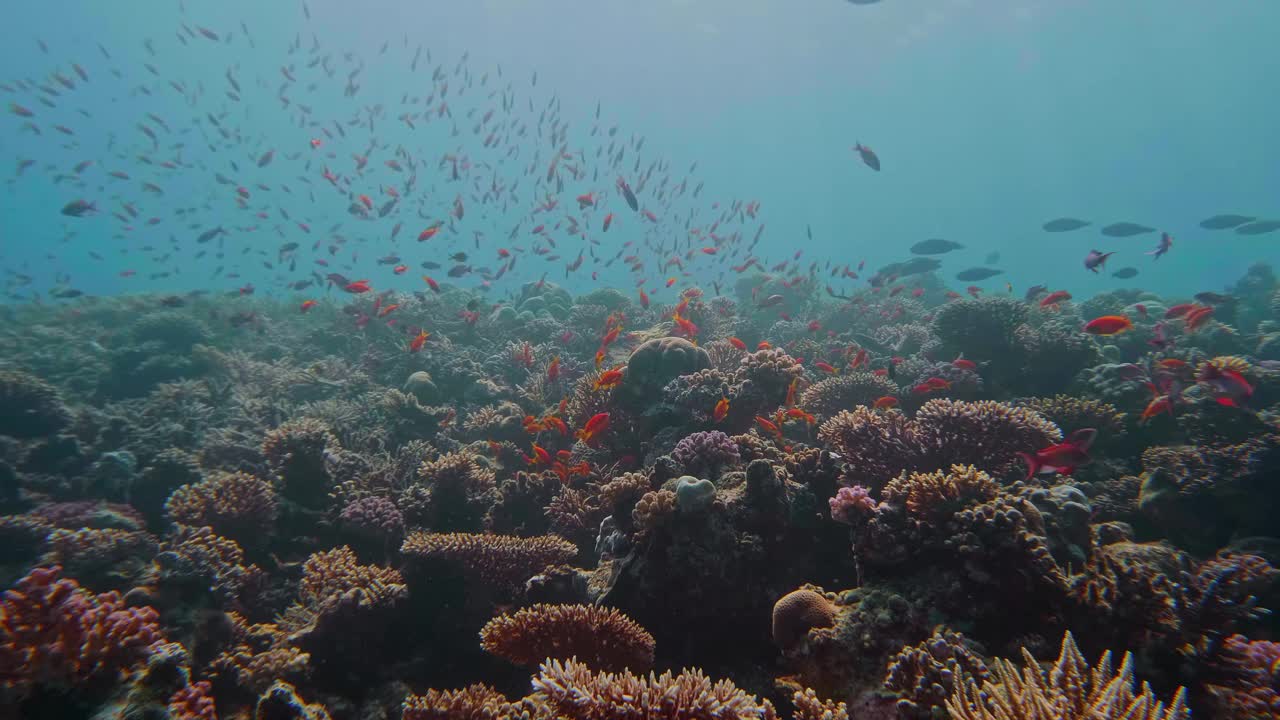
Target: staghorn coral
{"points": [[474, 702], [575, 692], [602, 638], [502, 562], [706, 452], [1071, 690], [844, 392], [925, 675], [256, 657], [32, 407], [55, 633], [239, 506]]}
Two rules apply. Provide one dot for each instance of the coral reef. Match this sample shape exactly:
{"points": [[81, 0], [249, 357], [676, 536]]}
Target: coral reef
{"points": [[601, 638]]}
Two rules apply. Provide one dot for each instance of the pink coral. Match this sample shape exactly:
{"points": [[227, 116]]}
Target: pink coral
{"points": [[53, 632]]}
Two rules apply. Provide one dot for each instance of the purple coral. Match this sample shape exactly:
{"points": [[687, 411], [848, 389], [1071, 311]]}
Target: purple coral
{"points": [[709, 450], [374, 517], [850, 502]]}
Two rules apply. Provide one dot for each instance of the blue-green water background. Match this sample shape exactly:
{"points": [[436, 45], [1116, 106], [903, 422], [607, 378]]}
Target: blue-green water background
{"points": [[990, 117]]}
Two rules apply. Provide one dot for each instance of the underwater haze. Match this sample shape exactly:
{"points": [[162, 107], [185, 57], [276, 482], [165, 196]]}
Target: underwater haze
{"points": [[676, 360]]}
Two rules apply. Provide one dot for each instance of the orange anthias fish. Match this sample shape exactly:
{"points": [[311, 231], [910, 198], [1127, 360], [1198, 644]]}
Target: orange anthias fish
{"points": [[791, 392], [798, 414], [1157, 405], [308, 305], [553, 370], [964, 364], [1054, 298], [609, 379], [721, 409], [1197, 317], [1108, 325], [769, 427], [591, 431], [551, 422], [358, 286], [737, 343], [418, 341], [387, 310], [540, 456], [826, 368], [885, 402], [435, 286]]}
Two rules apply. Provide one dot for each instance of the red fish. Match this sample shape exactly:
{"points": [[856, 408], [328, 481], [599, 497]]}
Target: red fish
{"points": [[591, 431], [885, 402], [644, 299], [737, 343], [553, 370], [1196, 318], [400, 269], [418, 341], [1063, 458], [357, 287], [608, 379], [964, 364], [1108, 325], [1230, 387], [307, 305], [608, 220], [1158, 404], [1178, 311], [1054, 298], [435, 286], [721, 409]]}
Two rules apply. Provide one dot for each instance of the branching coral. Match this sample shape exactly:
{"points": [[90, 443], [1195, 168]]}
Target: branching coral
{"points": [[454, 494], [53, 632], [474, 702], [925, 675], [989, 435], [32, 407], [1071, 690], [296, 452], [237, 505], [499, 561], [600, 637], [575, 692], [845, 392]]}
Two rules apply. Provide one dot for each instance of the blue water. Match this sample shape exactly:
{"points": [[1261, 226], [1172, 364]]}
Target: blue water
{"points": [[990, 118]]}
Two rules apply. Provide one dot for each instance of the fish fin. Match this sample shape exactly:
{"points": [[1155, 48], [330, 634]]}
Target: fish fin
{"points": [[1083, 438], [1033, 465]]}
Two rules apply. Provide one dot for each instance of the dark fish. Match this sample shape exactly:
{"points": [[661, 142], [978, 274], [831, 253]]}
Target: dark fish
{"points": [[1125, 273], [628, 195], [1033, 292], [1224, 222], [389, 260], [458, 257], [868, 156], [914, 266], [1213, 298], [975, 274], [208, 235], [992, 258], [65, 293], [1065, 224], [459, 270], [935, 246], [173, 301], [1260, 227], [266, 158], [1126, 229], [428, 265], [78, 208]]}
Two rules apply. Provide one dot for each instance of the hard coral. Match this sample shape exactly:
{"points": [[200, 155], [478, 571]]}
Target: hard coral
{"points": [[454, 494], [575, 692], [923, 676], [602, 638], [706, 452], [239, 506], [1070, 691], [32, 407], [502, 562], [845, 392], [55, 633], [798, 612]]}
